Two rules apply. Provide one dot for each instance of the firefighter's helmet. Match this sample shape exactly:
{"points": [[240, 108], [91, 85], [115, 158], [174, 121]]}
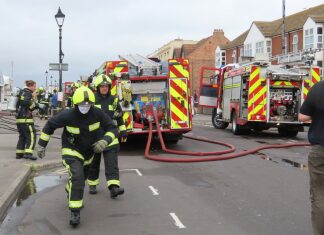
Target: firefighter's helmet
{"points": [[83, 95], [102, 79]]}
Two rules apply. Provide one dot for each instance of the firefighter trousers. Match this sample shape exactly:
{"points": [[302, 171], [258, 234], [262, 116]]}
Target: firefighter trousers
{"points": [[27, 138], [78, 173], [110, 157]]}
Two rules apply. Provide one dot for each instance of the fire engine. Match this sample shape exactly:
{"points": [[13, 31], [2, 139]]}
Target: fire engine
{"points": [[256, 96], [142, 85]]}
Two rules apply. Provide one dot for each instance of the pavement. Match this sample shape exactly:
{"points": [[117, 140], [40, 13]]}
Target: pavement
{"points": [[14, 173]]}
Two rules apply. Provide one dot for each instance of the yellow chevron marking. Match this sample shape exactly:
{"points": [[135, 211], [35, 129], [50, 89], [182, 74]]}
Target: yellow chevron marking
{"points": [[255, 86], [175, 94], [254, 74], [257, 96], [175, 125], [179, 113], [316, 75]]}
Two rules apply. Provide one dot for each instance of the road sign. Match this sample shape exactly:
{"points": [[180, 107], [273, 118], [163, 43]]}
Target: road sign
{"points": [[56, 67]]}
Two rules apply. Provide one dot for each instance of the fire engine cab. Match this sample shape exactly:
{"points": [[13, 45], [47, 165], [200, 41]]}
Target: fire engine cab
{"points": [[143, 85], [257, 96]]}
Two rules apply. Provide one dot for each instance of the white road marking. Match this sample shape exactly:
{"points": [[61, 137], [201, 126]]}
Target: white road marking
{"points": [[154, 190], [291, 140], [177, 220], [137, 171]]}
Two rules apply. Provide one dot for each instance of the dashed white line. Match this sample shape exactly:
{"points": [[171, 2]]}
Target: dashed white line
{"points": [[154, 190], [177, 221], [137, 171]]}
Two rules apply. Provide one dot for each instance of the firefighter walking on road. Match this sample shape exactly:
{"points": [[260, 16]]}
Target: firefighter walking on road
{"points": [[110, 105], [25, 123], [87, 130]]}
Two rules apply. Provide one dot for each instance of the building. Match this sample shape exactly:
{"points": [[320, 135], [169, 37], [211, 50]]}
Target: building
{"points": [[200, 54], [168, 50], [263, 40]]}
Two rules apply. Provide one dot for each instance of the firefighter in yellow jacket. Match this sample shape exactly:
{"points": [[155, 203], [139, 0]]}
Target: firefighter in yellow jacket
{"points": [[110, 105], [87, 130]]}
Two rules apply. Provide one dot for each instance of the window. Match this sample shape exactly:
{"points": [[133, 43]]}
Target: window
{"points": [[223, 58], [259, 47], [269, 44], [218, 59], [234, 56], [319, 37], [309, 38], [248, 49], [295, 42]]}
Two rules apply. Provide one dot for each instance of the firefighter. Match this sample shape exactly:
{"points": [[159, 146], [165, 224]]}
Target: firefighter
{"points": [[43, 100], [110, 105], [87, 130], [25, 123], [74, 86]]}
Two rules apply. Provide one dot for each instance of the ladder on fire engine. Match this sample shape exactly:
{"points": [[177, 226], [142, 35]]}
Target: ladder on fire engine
{"points": [[141, 66]]}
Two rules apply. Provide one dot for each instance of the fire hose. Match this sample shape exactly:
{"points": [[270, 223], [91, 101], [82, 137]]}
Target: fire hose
{"points": [[215, 155]]}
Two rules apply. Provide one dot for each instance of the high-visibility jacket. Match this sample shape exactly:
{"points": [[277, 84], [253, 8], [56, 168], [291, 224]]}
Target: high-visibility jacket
{"points": [[110, 105], [25, 105], [80, 132]]}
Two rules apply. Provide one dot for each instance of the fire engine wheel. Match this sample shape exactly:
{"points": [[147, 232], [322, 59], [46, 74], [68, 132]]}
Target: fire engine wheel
{"points": [[218, 124], [238, 129], [287, 132]]}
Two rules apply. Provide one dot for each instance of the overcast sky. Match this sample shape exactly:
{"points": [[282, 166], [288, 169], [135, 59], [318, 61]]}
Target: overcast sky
{"points": [[100, 30]]}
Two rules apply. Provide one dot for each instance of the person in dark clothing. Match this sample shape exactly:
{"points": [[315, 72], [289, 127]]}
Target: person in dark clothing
{"points": [[25, 122], [313, 110], [54, 101], [110, 105], [87, 130], [74, 86]]}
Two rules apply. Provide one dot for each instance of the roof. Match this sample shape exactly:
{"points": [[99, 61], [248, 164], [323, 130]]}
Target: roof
{"points": [[297, 20], [318, 19], [267, 28], [236, 42], [273, 28]]}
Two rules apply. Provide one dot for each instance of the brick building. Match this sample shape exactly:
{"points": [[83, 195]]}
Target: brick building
{"points": [[201, 54], [263, 40]]}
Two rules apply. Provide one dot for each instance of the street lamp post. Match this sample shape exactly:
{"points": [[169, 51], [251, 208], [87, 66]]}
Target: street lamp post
{"points": [[51, 83], [46, 73], [59, 17]]}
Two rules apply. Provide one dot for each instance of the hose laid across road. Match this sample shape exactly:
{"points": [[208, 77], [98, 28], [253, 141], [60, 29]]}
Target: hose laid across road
{"points": [[203, 159]]}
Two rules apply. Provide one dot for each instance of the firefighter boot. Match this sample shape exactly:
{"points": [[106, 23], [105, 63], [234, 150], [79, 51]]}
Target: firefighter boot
{"points": [[115, 191], [75, 217], [19, 156], [29, 156], [92, 189]]}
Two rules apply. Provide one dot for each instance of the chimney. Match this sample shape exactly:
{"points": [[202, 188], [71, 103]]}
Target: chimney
{"points": [[218, 31]]}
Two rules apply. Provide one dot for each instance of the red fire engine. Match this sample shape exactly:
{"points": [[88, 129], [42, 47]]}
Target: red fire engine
{"points": [[256, 96], [142, 84]]}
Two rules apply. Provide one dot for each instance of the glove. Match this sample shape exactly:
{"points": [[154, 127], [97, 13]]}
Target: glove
{"points": [[123, 136], [40, 151], [100, 146]]}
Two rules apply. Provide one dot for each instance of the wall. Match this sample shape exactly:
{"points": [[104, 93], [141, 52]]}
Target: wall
{"points": [[253, 37]]}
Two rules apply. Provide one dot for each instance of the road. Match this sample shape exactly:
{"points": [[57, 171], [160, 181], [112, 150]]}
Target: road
{"points": [[259, 194]]}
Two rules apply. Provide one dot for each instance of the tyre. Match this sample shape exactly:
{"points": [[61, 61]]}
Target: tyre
{"points": [[217, 123], [236, 128]]}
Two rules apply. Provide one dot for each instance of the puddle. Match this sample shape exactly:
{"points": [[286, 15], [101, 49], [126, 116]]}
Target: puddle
{"points": [[36, 184], [286, 161], [296, 164]]}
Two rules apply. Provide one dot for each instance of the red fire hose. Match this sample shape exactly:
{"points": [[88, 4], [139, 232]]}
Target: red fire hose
{"points": [[203, 159]]}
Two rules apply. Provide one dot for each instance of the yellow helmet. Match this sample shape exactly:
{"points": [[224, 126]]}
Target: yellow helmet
{"points": [[83, 95], [102, 79], [75, 84]]}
